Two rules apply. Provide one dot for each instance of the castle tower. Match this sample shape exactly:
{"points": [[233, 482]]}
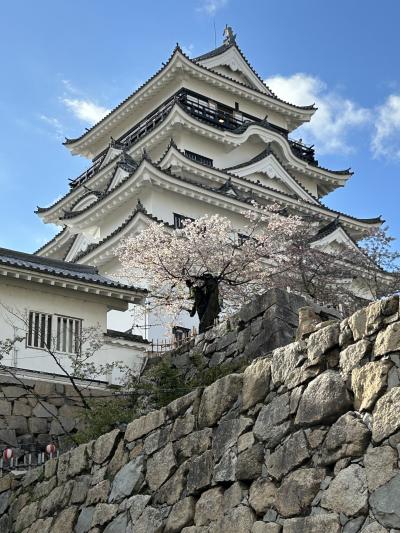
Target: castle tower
{"points": [[202, 135]]}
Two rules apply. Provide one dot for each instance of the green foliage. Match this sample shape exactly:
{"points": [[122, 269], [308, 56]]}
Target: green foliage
{"points": [[105, 415]]}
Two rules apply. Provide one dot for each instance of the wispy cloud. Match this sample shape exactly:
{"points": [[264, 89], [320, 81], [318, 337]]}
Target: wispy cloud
{"points": [[386, 137], [86, 110], [55, 125], [188, 50], [336, 117], [212, 6]]}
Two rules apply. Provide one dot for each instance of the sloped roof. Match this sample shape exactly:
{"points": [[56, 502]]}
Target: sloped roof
{"points": [[63, 269]]}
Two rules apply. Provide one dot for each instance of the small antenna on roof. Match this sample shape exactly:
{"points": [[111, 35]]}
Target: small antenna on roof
{"points": [[215, 35]]}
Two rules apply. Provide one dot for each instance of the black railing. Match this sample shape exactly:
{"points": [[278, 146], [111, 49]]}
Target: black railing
{"points": [[206, 110]]}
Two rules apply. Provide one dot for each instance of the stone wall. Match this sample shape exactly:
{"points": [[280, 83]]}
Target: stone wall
{"points": [[304, 441], [36, 408], [268, 322]]}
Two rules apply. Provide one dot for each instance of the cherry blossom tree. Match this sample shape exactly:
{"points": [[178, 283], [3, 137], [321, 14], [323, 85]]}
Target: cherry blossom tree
{"points": [[207, 264]]}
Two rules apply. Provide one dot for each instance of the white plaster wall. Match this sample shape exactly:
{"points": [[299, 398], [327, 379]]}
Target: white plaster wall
{"points": [[17, 298]]}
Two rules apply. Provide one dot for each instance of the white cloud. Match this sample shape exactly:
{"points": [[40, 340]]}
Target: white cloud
{"points": [[386, 137], [188, 50], [336, 116], [85, 110], [212, 6], [55, 125]]}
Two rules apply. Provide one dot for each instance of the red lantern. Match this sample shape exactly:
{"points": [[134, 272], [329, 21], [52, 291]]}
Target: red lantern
{"points": [[51, 449], [8, 454]]}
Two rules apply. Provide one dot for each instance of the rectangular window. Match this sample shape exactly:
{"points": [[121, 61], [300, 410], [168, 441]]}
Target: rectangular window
{"points": [[178, 220], [39, 330], [68, 334], [180, 333], [199, 158]]}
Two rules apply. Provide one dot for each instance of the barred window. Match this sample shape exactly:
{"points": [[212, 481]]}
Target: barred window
{"points": [[54, 332], [68, 334], [39, 330]]}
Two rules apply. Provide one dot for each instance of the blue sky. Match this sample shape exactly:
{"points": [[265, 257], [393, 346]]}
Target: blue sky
{"points": [[65, 63]]}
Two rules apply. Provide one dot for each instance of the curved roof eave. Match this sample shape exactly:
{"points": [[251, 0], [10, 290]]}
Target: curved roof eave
{"points": [[310, 109]]}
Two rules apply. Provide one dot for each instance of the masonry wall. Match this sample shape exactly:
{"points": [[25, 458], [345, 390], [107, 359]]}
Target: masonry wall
{"points": [[266, 323], [35, 412], [305, 440]]}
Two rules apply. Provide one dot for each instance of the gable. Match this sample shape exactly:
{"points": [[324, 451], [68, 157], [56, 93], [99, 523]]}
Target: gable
{"points": [[232, 64], [271, 168], [120, 175]]}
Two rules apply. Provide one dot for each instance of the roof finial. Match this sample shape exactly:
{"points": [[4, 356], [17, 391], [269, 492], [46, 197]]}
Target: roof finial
{"points": [[229, 36]]}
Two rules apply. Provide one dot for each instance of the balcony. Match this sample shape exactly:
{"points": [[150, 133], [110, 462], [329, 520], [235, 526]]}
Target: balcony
{"points": [[206, 110]]}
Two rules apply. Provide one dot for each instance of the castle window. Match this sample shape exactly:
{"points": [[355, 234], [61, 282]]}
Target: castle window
{"points": [[178, 220], [54, 332], [39, 330], [68, 334], [199, 158], [180, 333]]}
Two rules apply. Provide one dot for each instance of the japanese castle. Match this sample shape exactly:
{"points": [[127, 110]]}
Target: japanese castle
{"points": [[202, 135]]}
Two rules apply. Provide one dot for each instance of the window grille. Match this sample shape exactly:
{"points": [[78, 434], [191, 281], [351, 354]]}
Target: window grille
{"points": [[39, 330], [178, 220], [68, 334], [199, 158]]}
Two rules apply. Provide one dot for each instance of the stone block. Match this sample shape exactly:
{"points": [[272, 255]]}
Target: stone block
{"points": [[194, 444], [380, 466], [386, 419], [104, 445], [322, 341], [324, 400], [297, 491], [293, 452], [384, 503], [351, 356], [388, 340], [256, 378], [209, 507], [128, 480], [368, 383], [160, 466], [227, 434], [326, 523], [249, 463], [348, 492], [44, 410], [5, 407], [218, 398], [285, 360], [272, 424], [200, 472], [181, 515], [144, 425], [262, 495]]}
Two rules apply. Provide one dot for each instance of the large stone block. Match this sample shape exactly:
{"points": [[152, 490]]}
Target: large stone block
{"points": [[160, 466], [324, 400], [144, 425], [368, 383], [218, 398], [104, 445], [293, 452], [348, 437], [322, 341], [380, 466], [128, 480], [351, 356], [386, 419], [348, 492], [181, 515], [227, 434], [256, 380], [388, 340], [385, 503], [209, 507], [298, 490], [272, 424], [285, 360], [200, 472], [262, 495], [321, 523]]}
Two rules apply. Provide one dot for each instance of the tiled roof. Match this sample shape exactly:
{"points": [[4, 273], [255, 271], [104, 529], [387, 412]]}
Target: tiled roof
{"points": [[138, 209], [56, 236], [194, 61], [125, 335], [54, 267]]}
